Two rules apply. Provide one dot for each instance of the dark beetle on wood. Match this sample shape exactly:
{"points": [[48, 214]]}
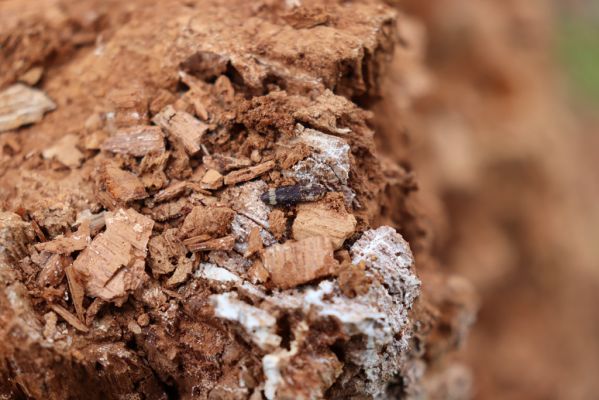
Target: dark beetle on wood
{"points": [[292, 194]]}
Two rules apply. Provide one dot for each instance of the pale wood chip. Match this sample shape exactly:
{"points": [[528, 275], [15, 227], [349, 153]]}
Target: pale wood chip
{"points": [[212, 180], [224, 243], [77, 292], [213, 221], [136, 141], [113, 264], [181, 274], [52, 271], [257, 273], [182, 127], [224, 164], [32, 76], [66, 245], [255, 244], [21, 105], [69, 317], [121, 186], [295, 263], [248, 174], [65, 151], [327, 218]]}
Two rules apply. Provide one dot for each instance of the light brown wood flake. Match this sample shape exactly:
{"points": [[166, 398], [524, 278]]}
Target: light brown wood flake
{"points": [[122, 186], [181, 274], [52, 271], [255, 244], [136, 141], [212, 180], [248, 174], [21, 105], [177, 189], [182, 127], [69, 317], [65, 151], [213, 221], [295, 263], [32, 76], [257, 273], [277, 224], [114, 263], [197, 244], [66, 245], [77, 292], [224, 164], [324, 218]]}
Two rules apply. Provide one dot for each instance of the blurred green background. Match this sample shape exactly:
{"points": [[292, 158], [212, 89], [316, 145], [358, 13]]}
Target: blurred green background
{"points": [[578, 46]]}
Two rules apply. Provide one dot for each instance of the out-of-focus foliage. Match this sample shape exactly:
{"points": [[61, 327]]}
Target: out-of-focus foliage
{"points": [[578, 49]]}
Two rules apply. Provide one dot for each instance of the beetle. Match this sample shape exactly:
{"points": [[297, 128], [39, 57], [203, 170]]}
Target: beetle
{"points": [[292, 194]]}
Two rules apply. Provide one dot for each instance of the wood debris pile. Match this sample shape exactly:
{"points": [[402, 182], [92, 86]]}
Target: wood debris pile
{"points": [[223, 233]]}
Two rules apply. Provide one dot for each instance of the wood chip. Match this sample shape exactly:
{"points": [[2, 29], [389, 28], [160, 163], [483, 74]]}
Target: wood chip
{"points": [[277, 223], [213, 221], [136, 141], [224, 164], [212, 180], [255, 244], [66, 245], [52, 271], [69, 317], [327, 217], [121, 186], [248, 174], [182, 127], [163, 249], [113, 264], [181, 274], [295, 263], [21, 105], [257, 273], [77, 292], [32, 76], [65, 151], [196, 244]]}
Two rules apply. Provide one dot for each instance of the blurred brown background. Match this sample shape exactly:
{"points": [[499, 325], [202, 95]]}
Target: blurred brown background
{"points": [[504, 122]]}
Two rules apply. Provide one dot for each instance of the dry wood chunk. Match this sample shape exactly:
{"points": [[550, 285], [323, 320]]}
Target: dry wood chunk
{"points": [[295, 263], [327, 218], [113, 264], [66, 245], [277, 223], [65, 151], [136, 141], [52, 271], [257, 273], [32, 76], [182, 127], [212, 180], [15, 234], [181, 274], [224, 164], [21, 105], [69, 317], [248, 174], [213, 221], [224, 243], [255, 243], [163, 250], [122, 186], [77, 292]]}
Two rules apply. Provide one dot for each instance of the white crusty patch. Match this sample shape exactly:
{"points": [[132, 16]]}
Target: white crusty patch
{"points": [[250, 211], [214, 273], [386, 253], [260, 325]]}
